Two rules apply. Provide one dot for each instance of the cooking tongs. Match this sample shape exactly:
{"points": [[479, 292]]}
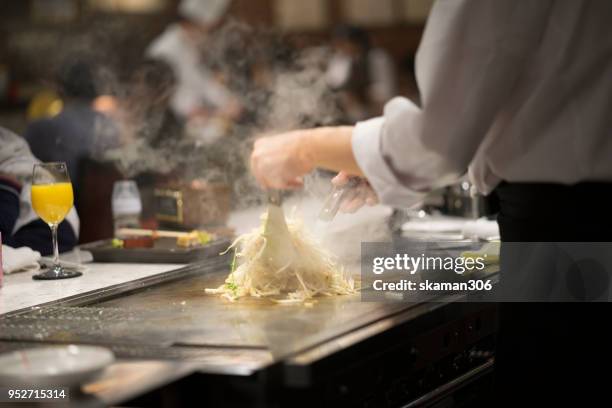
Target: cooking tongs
{"points": [[335, 199]]}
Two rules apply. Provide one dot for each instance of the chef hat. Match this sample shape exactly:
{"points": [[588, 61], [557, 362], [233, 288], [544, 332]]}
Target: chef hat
{"points": [[204, 11]]}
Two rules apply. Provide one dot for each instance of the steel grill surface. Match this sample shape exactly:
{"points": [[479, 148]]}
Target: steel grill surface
{"points": [[178, 320]]}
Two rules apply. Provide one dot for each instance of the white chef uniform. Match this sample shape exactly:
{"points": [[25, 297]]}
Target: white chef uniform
{"points": [[519, 91], [197, 86]]}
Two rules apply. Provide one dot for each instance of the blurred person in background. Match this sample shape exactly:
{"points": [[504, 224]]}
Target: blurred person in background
{"points": [[78, 132], [147, 105], [199, 93], [19, 224], [518, 95], [363, 75]]}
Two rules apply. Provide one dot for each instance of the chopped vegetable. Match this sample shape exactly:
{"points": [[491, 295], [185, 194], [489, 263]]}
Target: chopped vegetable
{"points": [[268, 263], [233, 264], [117, 243], [232, 287], [204, 237]]}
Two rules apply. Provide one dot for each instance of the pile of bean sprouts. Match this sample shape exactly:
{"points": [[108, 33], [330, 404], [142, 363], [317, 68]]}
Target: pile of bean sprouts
{"points": [[307, 272]]}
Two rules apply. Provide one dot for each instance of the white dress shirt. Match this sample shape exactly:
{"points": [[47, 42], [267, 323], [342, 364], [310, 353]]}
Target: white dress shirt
{"points": [[519, 91]]}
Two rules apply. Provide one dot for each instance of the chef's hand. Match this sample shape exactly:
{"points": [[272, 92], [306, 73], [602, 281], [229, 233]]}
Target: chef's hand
{"points": [[358, 196], [280, 162]]}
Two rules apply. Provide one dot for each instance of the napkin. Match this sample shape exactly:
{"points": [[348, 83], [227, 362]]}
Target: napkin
{"points": [[19, 259]]}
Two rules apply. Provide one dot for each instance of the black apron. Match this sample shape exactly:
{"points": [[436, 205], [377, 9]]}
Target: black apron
{"points": [[550, 352]]}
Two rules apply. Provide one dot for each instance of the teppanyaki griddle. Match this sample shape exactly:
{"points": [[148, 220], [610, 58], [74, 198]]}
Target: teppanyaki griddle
{"points": [[176, 319], [259, 343]]}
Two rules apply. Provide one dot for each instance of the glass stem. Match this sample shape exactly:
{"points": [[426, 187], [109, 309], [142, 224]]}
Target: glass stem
{"points": [[56, 263]]}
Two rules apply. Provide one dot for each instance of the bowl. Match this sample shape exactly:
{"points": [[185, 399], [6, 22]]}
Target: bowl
{"points": [[59, 366]]}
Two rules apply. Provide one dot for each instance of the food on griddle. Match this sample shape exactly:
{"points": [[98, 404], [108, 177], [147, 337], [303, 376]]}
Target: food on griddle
{"points": [[132, 242], [141, 238], [279, 260], [193, 239], [138, 242], [117, 243]]}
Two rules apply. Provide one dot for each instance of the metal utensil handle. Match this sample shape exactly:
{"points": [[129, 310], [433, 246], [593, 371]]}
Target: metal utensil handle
{"points": [[275, 197]]}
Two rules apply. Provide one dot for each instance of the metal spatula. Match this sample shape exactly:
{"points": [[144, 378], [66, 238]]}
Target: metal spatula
{"points": [[279, 250]]}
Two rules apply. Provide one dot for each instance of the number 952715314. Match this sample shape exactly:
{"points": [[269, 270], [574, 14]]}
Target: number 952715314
{"points": [[33, 394]]}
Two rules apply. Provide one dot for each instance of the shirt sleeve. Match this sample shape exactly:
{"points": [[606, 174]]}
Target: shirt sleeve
{"points": [[471, 55]]}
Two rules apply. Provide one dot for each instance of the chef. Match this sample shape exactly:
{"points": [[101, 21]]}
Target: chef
{"points": [[198, 92], [519, 95], [363, 75]]}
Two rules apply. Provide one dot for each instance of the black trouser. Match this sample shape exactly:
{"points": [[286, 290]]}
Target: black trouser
{"points": [[554, 352]]}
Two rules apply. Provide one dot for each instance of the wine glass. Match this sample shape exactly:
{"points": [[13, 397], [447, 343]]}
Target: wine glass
{"points": [[52, 199]]}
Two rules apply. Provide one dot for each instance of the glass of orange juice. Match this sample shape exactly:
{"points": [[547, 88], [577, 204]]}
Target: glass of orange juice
{"points": [[52, 199]]}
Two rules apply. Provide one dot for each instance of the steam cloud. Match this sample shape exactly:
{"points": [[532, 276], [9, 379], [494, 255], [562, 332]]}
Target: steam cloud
{"points": [[279, 88]]}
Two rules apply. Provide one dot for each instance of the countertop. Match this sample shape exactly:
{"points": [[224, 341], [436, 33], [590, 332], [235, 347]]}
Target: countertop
{"points": [[21, 291]]}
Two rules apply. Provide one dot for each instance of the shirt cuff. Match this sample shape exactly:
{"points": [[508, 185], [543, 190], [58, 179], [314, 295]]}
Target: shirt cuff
{"points": [[366, 143]]}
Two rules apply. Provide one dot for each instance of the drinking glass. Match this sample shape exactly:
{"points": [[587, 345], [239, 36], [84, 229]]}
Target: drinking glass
{"points": [[52, 199]]}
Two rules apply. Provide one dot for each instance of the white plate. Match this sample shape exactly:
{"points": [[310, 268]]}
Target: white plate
{"points": [[62, 366]]}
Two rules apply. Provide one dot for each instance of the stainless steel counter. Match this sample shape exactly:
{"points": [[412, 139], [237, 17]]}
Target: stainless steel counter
{"points": [[167, 322], [176, 319]]}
